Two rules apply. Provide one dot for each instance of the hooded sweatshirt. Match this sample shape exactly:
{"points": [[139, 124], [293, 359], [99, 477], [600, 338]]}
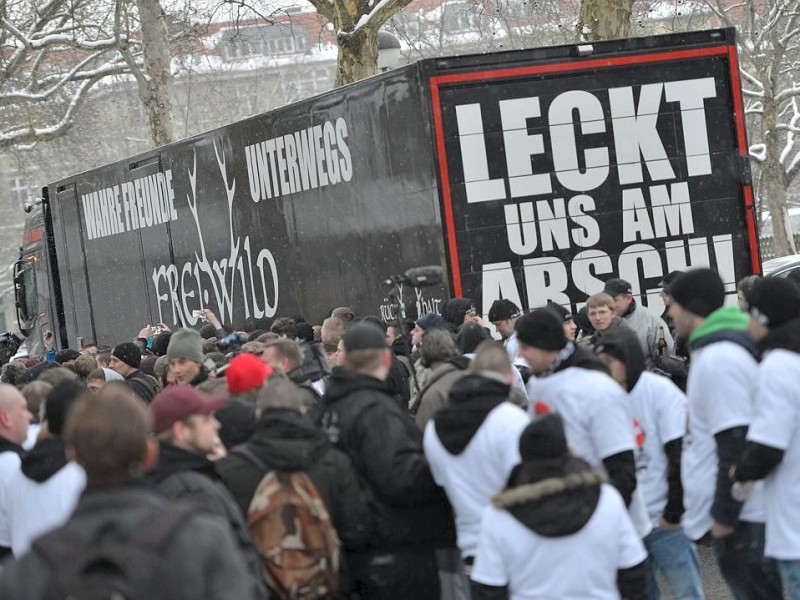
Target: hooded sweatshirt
{"points": [[284, 440], [556, 518], [773, 449], [42, 494], [720, 390], [184, 474], [471, 445], [659, 409]]}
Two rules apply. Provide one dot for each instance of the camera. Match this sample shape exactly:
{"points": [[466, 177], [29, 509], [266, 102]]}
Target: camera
{"points": [[234, 339], [9, 344]]}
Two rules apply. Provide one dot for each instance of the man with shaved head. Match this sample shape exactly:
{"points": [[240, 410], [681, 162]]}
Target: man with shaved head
{"points": [[107, 435], [14, 420]]}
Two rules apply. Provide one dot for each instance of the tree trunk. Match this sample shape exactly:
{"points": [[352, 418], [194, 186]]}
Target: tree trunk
{"points": [[782, 236], [358, 55], [156, 88], [604, 20]]}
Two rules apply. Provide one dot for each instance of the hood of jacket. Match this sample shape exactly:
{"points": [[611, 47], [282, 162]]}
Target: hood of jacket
{"points": [[576, 355], [471, 400], [342, 383], [459, 363], [286, 441], [785, 337], [727, 324], [9, 446], [552, 498], [624, 345], [173, 459], [44, 460]]}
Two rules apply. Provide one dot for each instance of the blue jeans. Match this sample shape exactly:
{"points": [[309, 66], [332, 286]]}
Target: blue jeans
{"points": [[672, 553], [790, 573], [749, 574]]}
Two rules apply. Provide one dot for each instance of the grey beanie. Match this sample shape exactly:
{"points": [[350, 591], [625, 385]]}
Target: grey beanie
{"points": [[186, 343]]}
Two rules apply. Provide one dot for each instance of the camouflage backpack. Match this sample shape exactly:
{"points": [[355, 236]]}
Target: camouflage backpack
{"points": [[291, 528]]}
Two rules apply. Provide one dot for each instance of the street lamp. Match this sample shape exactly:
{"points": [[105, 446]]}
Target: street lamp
{"points": [[388, 51]]}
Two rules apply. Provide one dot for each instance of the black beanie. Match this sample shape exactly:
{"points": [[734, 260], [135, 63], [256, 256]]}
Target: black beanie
{"points": [[364, 336], [668, 279], [58, 402], [67, 355], [128, 353], [541, 328], [456, 309], [503, 310], [562, 311], [161, 343], [776, 300], [544, 438], [470, 336], [700, 291]]}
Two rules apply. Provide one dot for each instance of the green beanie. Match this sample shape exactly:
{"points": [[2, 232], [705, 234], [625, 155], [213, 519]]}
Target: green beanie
{"points": [[186, 343]]}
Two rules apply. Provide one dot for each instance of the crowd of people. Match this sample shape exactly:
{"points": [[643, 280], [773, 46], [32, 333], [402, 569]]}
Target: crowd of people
{"points": [[577, 458]]}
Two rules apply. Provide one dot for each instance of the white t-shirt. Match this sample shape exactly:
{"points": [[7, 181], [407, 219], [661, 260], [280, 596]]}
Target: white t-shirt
{"points": [[512, 347], [9, 464], [777, 424], [598, 420], [720, 389], [581, 566], [33, 436], [471, 478], [36, 508], [660, 413]]}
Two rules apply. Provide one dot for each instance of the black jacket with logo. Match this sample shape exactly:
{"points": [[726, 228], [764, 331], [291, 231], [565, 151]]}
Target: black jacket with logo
{"points": [[362, 418]]}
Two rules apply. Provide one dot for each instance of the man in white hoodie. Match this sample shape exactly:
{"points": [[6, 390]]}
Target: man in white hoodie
{"points": [[659, 408], [773, 447], [14, 421], [43, 492], [720, 389], [473, 442], [597, 416]]}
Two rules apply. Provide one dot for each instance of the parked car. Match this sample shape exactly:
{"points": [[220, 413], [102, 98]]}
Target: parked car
{"points": [[785, 266]]}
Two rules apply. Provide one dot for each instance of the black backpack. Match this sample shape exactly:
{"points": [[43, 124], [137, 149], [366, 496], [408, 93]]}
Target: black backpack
{"points": [[115, 567]]}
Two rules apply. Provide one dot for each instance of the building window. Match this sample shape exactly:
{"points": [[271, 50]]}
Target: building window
{"points": [[460, 17], [263, 40]]}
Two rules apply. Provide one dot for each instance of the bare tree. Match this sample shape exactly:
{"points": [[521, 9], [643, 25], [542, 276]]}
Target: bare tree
{"points": [[769, 49], [356, 23], [604, 19], [154, 78], [51, 55]]}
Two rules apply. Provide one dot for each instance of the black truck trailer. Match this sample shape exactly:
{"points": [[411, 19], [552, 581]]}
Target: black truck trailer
{"points": [[533, 175]]}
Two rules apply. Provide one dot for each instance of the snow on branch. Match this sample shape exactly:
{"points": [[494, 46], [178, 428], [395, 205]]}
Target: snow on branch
{"points": [[759, 152]]}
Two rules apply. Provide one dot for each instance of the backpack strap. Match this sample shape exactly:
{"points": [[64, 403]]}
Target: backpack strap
{"points": [[157, 532], [246, 453]]}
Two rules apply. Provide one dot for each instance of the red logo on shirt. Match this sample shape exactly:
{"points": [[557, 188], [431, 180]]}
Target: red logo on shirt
{"points": [[540, 408], [637, 429]]}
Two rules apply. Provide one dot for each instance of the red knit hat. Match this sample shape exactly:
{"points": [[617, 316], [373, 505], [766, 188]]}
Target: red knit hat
{"points": [[246, 372]]}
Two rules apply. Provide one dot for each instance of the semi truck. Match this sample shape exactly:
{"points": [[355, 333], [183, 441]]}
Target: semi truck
{"points": [[533, 175]]}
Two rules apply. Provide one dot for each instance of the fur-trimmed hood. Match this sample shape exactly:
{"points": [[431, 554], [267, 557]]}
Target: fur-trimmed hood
{"points": [[552, 498]]}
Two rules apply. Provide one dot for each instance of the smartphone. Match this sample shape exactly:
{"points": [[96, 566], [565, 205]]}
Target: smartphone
{"points": [[198, 314], [155, 329], [79, 342]]}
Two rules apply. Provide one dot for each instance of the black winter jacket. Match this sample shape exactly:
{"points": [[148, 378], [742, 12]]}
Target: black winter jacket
{"points": [[182, 474], [285, 440], [406, 507]]}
